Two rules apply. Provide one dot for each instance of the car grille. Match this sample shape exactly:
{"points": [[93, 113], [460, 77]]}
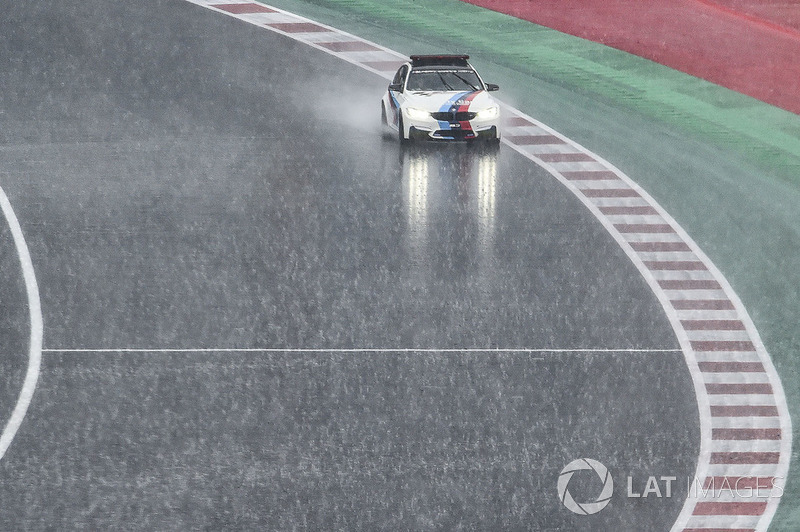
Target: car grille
{"points": [[454, 117], [454, 133]]}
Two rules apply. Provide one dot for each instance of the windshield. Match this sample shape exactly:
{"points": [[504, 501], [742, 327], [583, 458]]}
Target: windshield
{"points": [[443, 80]]}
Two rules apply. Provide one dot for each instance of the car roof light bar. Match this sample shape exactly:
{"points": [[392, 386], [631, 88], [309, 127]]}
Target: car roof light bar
{"points": [[439, 60]]}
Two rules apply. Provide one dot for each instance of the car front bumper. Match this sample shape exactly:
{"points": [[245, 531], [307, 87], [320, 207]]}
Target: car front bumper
{"points": [[432, 129], [490, 133]]}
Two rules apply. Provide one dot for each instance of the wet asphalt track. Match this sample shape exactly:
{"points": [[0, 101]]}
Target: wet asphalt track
{"points": [[186, 181]]}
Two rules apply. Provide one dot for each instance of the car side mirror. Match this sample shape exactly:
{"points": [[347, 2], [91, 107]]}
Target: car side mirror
{"points": [[491, 87], [396, 87]]}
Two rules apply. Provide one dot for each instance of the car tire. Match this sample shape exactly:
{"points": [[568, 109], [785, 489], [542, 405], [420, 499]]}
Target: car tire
{"points": [[384, 121], [401, 135]]}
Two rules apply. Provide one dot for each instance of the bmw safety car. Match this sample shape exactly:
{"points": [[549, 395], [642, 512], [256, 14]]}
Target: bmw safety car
{"points": [[440, 97]]}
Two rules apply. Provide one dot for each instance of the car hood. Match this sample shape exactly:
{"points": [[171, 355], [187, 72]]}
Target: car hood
{"points": [[449, 101]]}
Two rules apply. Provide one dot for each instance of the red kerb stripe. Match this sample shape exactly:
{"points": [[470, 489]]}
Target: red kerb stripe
{"points": [[590, 175], [530, 140], [722, 345], [297, 27], [641, 228], [745, 458], [728, 484], [731, 367], [743, 411], [611, 193], [739, 388], [675, 265], [636, 209], [746, 434], [712, 325], [660, 246], [729, 508], [689, 284], [514, 121]]}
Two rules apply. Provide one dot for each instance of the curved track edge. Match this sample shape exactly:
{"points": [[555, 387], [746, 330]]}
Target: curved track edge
{"points": [[36, 322]]}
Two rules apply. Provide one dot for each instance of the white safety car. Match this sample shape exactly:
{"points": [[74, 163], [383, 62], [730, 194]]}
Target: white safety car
{"points": [[440, 97]]}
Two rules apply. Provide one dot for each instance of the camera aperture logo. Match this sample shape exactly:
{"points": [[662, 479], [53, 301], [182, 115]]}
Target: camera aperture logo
{"points": [[591, 507]]}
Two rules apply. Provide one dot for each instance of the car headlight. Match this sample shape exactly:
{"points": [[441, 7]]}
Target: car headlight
{"points": [[489, 113], [417, 114]]}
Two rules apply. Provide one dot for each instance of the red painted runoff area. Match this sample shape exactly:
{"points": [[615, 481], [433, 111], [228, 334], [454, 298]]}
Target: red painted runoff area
{"points": [[751, 47]]}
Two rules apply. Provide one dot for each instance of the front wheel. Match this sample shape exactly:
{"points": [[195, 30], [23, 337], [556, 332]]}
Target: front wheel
{"points": [[401, 135], [384, 122]]}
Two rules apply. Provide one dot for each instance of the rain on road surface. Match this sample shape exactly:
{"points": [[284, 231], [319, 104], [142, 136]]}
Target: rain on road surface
{"points": [[188, 182]]}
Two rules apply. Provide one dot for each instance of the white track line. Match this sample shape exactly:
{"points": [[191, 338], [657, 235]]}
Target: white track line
{"points": [[35, 311], [354, 350]]}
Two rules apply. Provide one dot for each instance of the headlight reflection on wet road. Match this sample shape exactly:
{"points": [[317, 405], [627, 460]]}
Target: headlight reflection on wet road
{"points": [[441, 177]]}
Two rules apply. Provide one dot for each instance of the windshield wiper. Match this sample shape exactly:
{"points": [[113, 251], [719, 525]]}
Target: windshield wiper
{"points": [[444, 82], [473, 87]]}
